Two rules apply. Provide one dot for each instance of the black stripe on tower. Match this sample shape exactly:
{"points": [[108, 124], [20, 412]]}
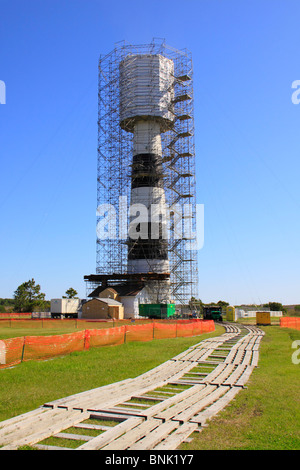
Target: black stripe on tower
{"points": [[146, 171], [142, 248]]}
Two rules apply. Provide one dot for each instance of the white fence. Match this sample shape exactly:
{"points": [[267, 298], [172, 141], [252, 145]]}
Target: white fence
{"points": [[241, 313]]}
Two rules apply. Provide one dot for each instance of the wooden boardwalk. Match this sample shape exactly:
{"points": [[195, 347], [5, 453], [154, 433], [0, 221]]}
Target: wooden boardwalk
{"points": [[157, 410]]}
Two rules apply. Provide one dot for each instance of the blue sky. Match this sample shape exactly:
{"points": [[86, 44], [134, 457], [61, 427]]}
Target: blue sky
{"points": [[245, 57]]}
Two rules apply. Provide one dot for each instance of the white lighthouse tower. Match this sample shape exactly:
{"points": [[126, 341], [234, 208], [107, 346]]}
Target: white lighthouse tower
{"points": [[146, 97]]}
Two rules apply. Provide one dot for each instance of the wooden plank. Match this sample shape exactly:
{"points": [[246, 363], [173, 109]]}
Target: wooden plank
{"points": [[188, 402], [247, 358], [44, 447], [245, 376], [128, 439], [230, 357], [219, 380], [42, 430], [135, 404], [25, 416], [197, 374], [73, 399], [124, 411], [155, 409], [154, 437], [23, 428], [111, 395], [110, 435], [109, 398], [251, 343], [214, 373], [100, 427], [205, 362], [148, 397], [74, 437], [108, 416], [238, 358], [63, 423], [211, 411], [177, 437], [190, 412], [232, 379], [255, 357], [190, 354], [187, 382], [176, 389]]}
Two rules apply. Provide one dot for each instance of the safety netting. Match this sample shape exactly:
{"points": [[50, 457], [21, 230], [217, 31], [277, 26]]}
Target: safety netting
{"points": [[290, 322], [139, 332], [41, 347], [9, 315], [105, 337], [165, 330], [25, 348], [11, 351]]}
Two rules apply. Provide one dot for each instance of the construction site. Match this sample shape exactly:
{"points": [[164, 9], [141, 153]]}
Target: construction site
{"points": [[134, 366]]}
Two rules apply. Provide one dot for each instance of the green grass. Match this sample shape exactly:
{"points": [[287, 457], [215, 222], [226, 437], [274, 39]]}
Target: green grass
{"points": [[266, 415], [252, 321], [31, 384], [48, 328]]}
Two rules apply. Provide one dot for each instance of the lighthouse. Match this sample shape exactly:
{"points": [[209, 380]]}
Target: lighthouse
{"points": [[146, 110]]}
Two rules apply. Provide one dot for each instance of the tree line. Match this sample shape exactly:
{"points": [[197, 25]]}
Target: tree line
{"points": [[28, 297], [273, 306]]}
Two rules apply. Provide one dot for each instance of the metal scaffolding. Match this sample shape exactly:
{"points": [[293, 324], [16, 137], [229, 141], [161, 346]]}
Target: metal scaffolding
{"points": [[115, 170]]}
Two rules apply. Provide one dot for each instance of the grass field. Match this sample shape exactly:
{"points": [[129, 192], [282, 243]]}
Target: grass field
{"points": [[13, 329], [266, 415]]}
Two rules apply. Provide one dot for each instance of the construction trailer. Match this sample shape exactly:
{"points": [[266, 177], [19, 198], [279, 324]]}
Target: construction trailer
{"points": [[159, 311], [67, 308]]}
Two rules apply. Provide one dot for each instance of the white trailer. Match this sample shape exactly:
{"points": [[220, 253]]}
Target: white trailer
{"points": [[67, 308]]}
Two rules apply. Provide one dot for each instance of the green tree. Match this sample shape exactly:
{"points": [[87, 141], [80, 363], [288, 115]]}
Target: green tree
{"points": [[28, 296], [71, 293], [275, 306], [222, 303]]}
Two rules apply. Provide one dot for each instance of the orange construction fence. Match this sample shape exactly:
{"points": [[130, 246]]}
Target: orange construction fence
{"points": [[15, 315], [290, 322], [16, 350]]}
